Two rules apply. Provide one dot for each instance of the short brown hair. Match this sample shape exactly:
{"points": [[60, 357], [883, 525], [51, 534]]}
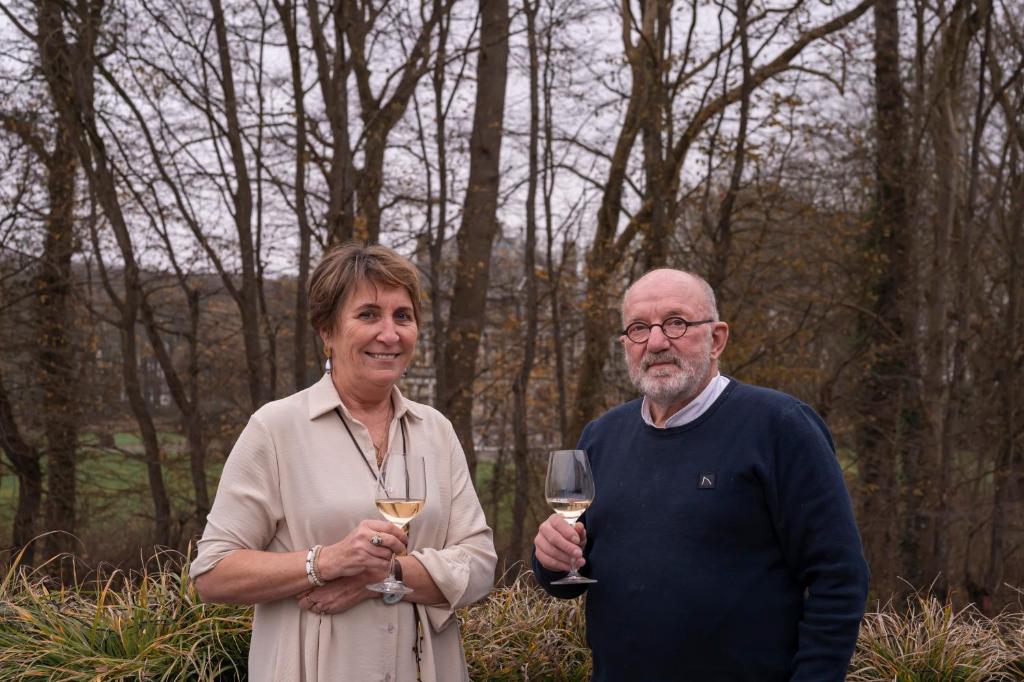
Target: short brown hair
{"points": [[342, 269]]}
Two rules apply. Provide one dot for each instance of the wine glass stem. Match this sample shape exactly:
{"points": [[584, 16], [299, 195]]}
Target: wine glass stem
{"points": [[391, 569], [572, 566]]}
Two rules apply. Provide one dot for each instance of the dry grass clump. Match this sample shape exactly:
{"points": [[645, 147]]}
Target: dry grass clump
{"points": [[931, 642], [519, 633], [153, 627]]}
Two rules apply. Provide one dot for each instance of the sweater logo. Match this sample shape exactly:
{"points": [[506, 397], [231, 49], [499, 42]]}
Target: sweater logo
{"points": [[707, 481]]}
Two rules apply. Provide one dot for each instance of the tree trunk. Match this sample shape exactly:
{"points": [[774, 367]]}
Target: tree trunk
{"points": [[520, 389], [68, 69], [436, 246], [24, 460], [479, 224], [554, 274], [886, 427], [300, 343], [722, 237], [248, 302], [925, 543], [1007, 473], [380, 118], [56, 348]]}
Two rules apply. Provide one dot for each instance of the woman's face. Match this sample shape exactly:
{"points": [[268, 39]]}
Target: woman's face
{"points": [[374, 336]]}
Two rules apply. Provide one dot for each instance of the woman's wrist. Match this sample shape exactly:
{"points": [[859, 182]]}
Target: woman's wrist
{"points": [[327, 566]]}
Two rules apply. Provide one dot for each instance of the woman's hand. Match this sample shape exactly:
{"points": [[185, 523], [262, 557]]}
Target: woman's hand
{"points": [[557, 542], [367, 548], [341, 594]]}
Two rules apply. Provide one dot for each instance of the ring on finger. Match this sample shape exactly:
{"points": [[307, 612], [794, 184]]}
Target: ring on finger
{"points": [[375, 540]]}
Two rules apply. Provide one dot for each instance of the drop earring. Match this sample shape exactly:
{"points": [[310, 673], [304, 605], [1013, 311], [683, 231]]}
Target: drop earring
{"points": [[328, 369]]}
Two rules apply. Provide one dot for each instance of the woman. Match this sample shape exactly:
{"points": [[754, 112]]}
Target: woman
{"points": [[294, 528]]}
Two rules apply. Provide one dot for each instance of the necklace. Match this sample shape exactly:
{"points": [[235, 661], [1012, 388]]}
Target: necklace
{"points": [[362, 455], [382, 448]]}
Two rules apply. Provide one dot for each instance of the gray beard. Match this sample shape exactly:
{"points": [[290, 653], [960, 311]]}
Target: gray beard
{"points": [[667, 386]]}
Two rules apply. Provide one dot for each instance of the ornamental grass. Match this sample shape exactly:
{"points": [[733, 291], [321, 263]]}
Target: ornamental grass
{"points": [[145, 626], [930, 641], [519, 633], [152, 626]]}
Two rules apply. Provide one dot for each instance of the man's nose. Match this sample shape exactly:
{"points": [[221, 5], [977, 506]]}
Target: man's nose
{"points": [[657, 341]]}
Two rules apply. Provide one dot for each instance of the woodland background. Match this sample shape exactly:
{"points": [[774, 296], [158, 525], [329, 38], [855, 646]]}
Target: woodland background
{"points": [[848, 175]]}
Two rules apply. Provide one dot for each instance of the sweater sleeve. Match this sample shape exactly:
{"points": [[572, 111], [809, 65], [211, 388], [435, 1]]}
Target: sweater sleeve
{"points": [[814, 520]]}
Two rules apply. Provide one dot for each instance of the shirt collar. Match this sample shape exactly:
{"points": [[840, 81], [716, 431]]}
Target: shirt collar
{"points": [[692, 409], [323, 398]]}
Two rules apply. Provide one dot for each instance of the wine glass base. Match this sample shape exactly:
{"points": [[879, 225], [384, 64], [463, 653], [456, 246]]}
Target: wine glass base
{"points": [[573, 580], [390, 587]]}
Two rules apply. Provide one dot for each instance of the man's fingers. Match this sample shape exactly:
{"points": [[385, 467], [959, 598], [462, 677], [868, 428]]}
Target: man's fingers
{"points": [[551, 563], [556, 563], [555, 545], [562, 536]]}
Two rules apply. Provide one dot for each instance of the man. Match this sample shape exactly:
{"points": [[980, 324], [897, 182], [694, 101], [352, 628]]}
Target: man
{"points": [[721, 535]]}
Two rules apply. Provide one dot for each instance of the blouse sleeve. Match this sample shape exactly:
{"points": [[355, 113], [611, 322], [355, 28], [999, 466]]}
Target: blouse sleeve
{"points": [[463, 569], [247, 507]]}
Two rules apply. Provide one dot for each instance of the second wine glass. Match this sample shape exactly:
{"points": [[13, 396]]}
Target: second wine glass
{"points": [[401, 494], [569, 489]]}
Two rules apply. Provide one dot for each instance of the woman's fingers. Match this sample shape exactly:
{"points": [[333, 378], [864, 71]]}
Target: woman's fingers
{"points": [[385, 538], [368, 546]]}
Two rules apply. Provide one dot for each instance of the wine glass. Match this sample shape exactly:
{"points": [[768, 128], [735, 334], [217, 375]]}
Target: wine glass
{"points": [[401, 493], [569, 489]]}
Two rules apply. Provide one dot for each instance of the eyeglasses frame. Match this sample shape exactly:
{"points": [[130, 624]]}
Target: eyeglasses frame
{"points": [[650, 328]]}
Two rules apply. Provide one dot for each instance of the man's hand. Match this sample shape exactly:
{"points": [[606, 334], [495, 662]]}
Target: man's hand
{"points": [[557, 543]]}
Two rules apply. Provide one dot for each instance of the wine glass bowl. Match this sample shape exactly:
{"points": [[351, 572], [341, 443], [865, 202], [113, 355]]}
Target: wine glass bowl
{"points": [[569, 489]]}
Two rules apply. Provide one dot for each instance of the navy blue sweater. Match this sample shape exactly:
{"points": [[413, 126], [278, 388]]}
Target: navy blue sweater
{"points": [[724, 549]]}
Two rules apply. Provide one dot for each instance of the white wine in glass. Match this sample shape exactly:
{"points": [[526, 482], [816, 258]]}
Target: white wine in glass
{"points": [[401, 494], [569, 489], [399, 512]]}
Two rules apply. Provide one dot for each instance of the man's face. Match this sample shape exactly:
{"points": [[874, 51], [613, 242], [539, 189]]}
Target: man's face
{"points": [[663, 369]]}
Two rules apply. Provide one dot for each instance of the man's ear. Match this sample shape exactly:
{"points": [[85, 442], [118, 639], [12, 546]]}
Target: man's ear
{"points": [[719, 338]]}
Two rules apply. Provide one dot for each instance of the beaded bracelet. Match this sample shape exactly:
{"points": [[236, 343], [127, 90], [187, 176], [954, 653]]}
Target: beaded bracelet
{"points": [[311, 573]]}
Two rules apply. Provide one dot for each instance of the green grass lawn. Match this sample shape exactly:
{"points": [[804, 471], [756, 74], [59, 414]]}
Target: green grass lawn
{"points": [[114, 504]]}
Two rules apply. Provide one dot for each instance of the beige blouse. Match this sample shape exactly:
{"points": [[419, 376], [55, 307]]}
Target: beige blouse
{"points": [[293, 480]]}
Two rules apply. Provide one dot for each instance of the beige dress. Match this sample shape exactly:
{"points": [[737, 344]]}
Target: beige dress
{"points": [[294, 479]]}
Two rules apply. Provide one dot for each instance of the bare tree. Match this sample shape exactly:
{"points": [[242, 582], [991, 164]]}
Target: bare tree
{"points": [[68, 67], [479, 224], [56, 349]]}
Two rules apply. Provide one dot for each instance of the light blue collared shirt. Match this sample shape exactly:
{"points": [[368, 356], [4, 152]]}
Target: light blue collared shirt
{"points": [[692, 409]]}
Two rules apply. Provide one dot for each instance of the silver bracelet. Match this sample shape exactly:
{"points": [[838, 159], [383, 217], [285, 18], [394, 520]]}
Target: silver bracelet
{"points": [[311, 574]]}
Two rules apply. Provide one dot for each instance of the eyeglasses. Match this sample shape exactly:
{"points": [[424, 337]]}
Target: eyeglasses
{"points": [[671, 327]]}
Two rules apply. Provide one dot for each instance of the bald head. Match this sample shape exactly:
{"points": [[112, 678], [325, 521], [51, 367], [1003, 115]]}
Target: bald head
{"points": [[676, 282]]}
